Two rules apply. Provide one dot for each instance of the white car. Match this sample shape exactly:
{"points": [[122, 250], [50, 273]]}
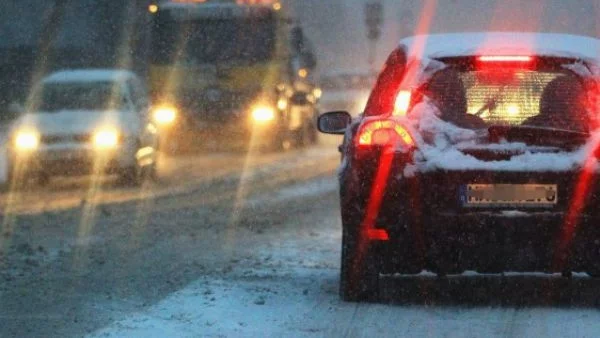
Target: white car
{"points": [[80, 122]]}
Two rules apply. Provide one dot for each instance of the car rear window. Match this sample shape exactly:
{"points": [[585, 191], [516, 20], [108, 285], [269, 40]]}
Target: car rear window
{"points": [[477, 97]]}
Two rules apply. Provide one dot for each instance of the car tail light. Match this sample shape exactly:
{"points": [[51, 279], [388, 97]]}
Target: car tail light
{"points": [[506, 58], [402, 103], [384, 132]]}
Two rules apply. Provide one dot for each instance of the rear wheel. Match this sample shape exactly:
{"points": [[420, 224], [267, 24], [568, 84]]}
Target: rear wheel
{"points": [[135, 176], [313, 133], [280, 142], [307, 135], [130, 177], [359, 276]]}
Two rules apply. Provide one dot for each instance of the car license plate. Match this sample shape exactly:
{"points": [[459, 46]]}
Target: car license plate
{"points": [[509, 195]]}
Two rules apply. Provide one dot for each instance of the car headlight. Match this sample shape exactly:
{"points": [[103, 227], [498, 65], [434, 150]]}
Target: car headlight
{"points": [[263, 114], [317, 92], [164, 115], [106, 138], [27, 140]]}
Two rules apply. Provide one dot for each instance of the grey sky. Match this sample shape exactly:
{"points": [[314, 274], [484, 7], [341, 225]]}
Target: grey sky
{"points": [[337, 26]]}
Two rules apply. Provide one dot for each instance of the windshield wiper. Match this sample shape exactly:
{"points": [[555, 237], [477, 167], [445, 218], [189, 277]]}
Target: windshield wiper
{"points": [[542, 136], [492, 102]]}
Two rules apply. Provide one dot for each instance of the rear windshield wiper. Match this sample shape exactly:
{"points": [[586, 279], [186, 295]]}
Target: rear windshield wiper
{"points": [[542, 136]]}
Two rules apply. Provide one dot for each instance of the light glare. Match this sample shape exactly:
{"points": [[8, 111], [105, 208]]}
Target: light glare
{"points": [[513, 110], [263, 114], [106, 138], [165, 115], [505, 58], [27, 140], [402, 103]]}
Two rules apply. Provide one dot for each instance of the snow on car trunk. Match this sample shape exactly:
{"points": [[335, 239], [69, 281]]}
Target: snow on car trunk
{"points": [[442, 146]]}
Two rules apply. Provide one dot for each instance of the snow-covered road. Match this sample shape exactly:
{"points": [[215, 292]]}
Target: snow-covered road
{"points": [[303, 303], [288, 288], [237, 247]]}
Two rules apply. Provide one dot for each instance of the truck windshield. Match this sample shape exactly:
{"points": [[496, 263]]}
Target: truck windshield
{"points": [[210, 40]]}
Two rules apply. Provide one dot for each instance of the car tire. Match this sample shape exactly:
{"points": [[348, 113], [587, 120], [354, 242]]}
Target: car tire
{"points": [[300, 137], [313, 133], [150, 173], [280, 143], [359, 276], [135, 176], [130, 177]]}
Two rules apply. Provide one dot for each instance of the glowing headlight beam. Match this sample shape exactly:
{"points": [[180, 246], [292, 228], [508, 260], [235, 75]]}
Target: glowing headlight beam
{"points": [[27, 140], [263, 114], [165, 115], [106, 139]]}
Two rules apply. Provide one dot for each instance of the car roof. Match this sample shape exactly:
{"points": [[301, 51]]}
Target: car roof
{"points": [[88, 76], [502, 43]]}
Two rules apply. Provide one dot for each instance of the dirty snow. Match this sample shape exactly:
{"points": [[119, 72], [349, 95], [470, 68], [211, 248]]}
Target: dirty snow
{"points": [[313, 188], [286, 310], [303, 302]]}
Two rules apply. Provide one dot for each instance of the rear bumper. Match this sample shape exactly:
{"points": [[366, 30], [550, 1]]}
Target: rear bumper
{"points": [[429, 228], [492, 243]]}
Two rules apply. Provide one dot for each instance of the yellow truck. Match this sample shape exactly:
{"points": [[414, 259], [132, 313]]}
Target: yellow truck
{"points": [[224, 72]]}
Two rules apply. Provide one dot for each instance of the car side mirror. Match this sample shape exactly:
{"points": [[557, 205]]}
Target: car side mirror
{"points": [[335, 122]]}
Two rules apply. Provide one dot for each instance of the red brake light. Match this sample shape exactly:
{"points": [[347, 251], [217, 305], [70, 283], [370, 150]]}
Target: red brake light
{"points": [[384, 133], [402, 103], [505, 58]]}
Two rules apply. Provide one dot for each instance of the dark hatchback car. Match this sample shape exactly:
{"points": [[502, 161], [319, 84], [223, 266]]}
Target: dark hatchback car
{"points": [[476, 152]]}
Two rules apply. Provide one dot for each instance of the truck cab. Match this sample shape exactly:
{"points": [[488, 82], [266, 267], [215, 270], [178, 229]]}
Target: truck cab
{"points": [[223, 71]]}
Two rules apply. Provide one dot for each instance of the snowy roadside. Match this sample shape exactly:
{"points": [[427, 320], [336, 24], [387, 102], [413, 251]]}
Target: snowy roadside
{"points": [[304, 303], [287, 287]]}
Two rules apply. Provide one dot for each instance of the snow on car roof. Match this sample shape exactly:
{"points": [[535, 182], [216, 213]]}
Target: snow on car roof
{"points": [[496, 43], [88, 75]]}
